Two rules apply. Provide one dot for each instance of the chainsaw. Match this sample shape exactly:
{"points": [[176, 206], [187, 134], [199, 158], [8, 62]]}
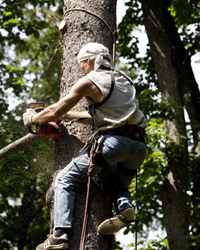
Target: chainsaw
{"points": [[52, 130]]}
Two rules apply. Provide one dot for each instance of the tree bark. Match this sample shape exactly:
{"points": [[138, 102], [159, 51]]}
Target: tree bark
{"points": [[166, 48], [84, 21]]}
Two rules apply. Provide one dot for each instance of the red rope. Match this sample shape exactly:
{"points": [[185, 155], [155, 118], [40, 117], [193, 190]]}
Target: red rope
{"points": [[89, 173]]}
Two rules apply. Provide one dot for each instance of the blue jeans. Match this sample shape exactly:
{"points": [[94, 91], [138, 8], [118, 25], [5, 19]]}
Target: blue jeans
{"points": [[120, 151]]}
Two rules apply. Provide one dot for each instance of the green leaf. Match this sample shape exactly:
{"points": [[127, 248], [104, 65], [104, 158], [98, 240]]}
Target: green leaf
{"points": [[10, 21], [8, 13]]}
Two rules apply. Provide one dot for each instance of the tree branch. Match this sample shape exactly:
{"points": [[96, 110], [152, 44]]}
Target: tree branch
{"points": [[12, 147]]}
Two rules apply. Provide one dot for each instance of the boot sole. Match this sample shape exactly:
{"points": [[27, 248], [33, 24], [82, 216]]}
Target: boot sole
{"points": [[55, 247], [113, 225]]}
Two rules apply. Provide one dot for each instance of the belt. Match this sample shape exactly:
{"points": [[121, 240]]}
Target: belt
{"points": [[132, 131]]}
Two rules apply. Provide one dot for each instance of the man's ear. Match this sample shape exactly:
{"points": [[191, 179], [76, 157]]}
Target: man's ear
{"points": [[90, 62]]}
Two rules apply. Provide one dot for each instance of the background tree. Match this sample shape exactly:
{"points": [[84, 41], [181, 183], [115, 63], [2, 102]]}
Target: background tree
{"points": [[171, 54]]}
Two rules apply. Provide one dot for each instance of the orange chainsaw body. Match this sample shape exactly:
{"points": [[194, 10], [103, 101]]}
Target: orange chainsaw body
{"points": [[52, 130]]}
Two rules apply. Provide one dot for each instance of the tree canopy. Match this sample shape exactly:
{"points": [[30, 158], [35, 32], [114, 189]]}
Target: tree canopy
{"points": [[31, 70]]}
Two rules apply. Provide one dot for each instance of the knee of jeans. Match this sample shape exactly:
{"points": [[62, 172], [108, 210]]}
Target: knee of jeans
{"points": [[60, 178], [57, 180], [62, 182]]}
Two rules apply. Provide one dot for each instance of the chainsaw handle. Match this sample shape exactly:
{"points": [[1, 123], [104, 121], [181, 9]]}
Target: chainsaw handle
{"points": [[31, 131]]}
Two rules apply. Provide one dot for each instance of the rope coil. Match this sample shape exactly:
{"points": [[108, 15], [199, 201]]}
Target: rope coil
{"points": [[91, 13]]}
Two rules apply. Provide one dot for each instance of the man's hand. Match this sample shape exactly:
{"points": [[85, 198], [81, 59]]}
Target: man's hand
{"points": [[27, 117]]}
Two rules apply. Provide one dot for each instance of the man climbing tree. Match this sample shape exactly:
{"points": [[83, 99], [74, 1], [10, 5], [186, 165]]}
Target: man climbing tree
{"points": [[119, 140], [84, 21]]}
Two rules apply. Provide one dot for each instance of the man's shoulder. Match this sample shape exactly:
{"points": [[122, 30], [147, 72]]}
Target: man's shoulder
{"points": [[99, 75], [84, 82]]}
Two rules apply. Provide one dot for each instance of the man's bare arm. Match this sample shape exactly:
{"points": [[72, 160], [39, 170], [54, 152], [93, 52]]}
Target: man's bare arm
{"points": [[84, 116], [84, 87]]}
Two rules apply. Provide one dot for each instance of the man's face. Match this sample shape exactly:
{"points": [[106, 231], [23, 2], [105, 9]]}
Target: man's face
{"points": [[86, 66]]}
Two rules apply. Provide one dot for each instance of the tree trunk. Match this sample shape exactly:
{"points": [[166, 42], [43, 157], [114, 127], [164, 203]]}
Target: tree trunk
{"points": [[84, 21], [166, 49]]}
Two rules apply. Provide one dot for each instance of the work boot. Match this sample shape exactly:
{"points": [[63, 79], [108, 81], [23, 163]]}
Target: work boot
{"points": [[54, 243], [114, 224]]}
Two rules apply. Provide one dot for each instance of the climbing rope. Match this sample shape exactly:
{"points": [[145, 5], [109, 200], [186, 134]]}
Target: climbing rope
{"points": [[136, 210], [89, 173]]}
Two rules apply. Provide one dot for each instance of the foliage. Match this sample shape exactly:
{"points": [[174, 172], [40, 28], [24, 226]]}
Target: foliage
{"points": [[30, 57], [159, 242], [30, 70], [186, 16]]}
